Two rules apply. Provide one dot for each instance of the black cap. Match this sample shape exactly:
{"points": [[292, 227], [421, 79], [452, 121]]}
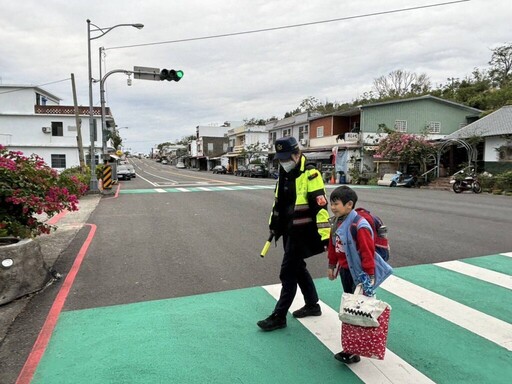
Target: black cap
{"points": [[285, 146]]}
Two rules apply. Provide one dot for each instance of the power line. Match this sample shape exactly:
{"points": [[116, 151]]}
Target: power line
{"points": [[35, 86], [290, 26]]}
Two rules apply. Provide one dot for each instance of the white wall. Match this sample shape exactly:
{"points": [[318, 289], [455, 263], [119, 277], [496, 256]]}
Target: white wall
{"points": [[491, 143]]}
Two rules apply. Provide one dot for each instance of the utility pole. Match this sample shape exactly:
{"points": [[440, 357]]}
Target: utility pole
{"points": [[78, 127]]}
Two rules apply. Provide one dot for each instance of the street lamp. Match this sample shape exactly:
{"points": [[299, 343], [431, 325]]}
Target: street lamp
{"points": [[103, 31]]}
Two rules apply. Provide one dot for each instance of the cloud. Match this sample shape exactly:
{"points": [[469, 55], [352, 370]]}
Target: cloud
{"points": [[253, 75]]}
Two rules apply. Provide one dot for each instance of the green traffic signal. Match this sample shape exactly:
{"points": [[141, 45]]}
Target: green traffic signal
{"points": [[171, 74]]}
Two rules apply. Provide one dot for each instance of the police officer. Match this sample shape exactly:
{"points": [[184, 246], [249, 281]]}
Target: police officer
{"points": [[300, 216]]}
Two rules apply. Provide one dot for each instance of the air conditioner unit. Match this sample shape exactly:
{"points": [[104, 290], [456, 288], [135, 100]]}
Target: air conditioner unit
{"points": [[47, 130], [304, 142]]}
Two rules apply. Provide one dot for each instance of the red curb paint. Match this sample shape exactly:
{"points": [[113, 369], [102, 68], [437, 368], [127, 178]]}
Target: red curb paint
{"points": [[37, 352], [55, 219], [117, 191]]}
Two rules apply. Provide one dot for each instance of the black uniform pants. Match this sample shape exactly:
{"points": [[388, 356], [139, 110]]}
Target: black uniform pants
{"points": [[293, 273]]}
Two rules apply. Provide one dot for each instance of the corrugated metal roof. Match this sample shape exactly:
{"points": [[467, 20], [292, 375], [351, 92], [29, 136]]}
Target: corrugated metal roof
{"points": [[495, 124]]}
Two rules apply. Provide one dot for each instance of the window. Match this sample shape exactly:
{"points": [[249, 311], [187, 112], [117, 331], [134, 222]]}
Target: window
{"points": [[287, 132], [434, 127], [303, 132], [272, 137], [58, 161], [210, 147], [320, 131], [57, 128], [401, 126]]}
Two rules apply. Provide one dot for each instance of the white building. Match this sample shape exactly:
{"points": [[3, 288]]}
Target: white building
{"points": [[33, 121], [243, 139]]}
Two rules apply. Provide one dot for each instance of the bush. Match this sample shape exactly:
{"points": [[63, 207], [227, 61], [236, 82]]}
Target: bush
{"points": [[28, 188], [75, 181], [503, 181]]}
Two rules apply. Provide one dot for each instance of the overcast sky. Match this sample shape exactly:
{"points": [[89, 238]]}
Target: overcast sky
{"points": [[256, 75]]}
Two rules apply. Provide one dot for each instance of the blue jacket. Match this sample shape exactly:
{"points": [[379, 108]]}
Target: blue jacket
{"points": [[382, 269]]}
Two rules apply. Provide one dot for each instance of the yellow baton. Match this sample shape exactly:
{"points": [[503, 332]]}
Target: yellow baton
{"points": [[266, 246]]}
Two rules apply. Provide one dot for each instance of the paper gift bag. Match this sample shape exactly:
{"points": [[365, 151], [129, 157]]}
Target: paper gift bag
{"points": [[366, 341]]}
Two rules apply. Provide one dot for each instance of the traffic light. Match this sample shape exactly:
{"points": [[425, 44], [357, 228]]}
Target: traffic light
{"points": [[171, 74]]}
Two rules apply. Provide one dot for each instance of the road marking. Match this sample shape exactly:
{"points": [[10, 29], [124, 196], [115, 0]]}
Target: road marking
{"points": [[488, 327], [327, 329], [204, 189], [479, 273], [508, 254], [160, 190], [183, 190], [41, 343]]}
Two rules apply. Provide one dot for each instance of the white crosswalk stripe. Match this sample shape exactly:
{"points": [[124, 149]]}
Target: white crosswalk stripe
{"points": [[327, 329], [478, 273]]}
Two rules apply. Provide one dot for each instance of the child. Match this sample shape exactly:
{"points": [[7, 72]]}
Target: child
{"points": [[354, 259]]}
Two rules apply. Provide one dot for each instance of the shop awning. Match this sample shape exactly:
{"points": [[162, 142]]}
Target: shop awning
{"points": [[318, 155]]}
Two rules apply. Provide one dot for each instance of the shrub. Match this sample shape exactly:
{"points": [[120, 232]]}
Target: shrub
{"points": [[29, 187]]}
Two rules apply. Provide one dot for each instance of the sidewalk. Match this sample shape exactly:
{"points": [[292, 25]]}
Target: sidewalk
{"points": [[52, 246]]}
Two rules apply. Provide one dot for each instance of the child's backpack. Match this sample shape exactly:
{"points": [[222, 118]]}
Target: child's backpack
{"points": [[379, 232]]}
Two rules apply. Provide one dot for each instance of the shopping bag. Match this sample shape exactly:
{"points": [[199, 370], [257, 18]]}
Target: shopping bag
{"points": [[358, 309], [366, 341]]}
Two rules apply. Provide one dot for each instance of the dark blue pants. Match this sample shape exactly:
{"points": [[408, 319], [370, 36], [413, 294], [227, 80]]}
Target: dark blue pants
{"points": [[294, 273], [346, 281]]}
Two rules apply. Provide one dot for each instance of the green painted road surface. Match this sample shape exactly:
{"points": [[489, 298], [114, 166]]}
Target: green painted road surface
{"points": [[450, 323], [222, 188]]}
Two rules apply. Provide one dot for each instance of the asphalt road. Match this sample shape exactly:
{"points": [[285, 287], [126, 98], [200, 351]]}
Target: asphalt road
{"points": [[170, 244]]}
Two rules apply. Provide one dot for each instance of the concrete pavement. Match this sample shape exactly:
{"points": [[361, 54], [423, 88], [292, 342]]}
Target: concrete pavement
{"points": [[52, 246]]}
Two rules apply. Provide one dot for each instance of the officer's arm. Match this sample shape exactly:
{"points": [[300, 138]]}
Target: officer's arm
{"points": [[318, 203]]}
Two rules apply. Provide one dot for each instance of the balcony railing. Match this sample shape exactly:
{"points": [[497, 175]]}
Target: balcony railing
{"points": [[67, 110]]}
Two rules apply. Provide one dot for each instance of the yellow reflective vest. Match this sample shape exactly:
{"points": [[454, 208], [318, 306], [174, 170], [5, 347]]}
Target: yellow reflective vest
{"points": [[309, 212]]}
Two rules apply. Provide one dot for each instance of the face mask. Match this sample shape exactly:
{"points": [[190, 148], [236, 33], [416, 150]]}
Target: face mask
{"points": [[288, 165]]}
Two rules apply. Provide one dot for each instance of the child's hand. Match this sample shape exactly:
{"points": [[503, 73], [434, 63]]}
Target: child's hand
{"points": [[330, 274]]}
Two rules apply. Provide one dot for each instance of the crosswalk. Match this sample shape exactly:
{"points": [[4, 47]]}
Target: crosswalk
{"points": [[198, 189], [211, 188], [451, 322]]}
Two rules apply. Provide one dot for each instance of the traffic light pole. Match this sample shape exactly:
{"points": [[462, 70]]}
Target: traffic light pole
{"points": [[143, 73]]}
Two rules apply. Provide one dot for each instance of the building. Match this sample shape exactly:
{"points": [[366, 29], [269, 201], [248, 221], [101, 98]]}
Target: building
{"points": [[495, 132], [33, 121], [246, 144], [354, 133]]}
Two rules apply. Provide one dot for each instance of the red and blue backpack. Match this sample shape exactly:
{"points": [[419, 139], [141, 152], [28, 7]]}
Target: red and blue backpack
{"points": [[379, 231]]}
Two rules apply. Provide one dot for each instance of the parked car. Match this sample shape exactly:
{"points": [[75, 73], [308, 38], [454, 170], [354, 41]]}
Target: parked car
{"points": [[131, 168], [241, 171], [123, 173], [219, 169], [256, 170], [180, 164]]}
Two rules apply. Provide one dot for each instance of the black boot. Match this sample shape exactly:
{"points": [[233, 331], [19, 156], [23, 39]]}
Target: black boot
{"points": [[272, 322], [347, 358], [308, 310]]}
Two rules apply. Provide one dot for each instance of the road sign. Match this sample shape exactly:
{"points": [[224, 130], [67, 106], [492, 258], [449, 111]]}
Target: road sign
{"points": [[146, 73]]}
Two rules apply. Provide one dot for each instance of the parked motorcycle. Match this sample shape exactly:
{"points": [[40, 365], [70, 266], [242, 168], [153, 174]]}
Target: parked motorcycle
{"points": [[466, 183], [401, 180]]}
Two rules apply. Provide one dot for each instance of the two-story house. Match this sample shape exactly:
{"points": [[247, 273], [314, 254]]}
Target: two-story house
{"points": [[246, 143], [353, 134], [209, 144], [33, 121]]}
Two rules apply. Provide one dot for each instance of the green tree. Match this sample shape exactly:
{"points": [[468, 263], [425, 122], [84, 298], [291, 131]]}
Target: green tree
{"points": [[501, 66], [253, 150]]}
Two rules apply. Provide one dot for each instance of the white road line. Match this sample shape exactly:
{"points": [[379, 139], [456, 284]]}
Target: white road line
{"points": [[327, 328], [183, 189], [226, 188], [160, 190], [479, 273], [150, 182], [204, 189], [509, 254], [486, 326]]}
